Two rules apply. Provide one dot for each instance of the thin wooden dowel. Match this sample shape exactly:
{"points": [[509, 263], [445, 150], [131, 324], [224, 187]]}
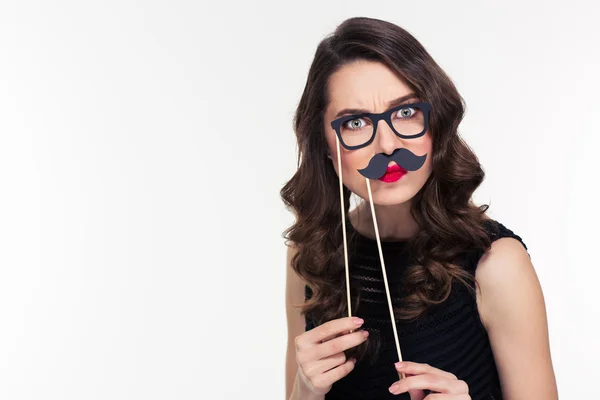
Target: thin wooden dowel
{"points": [[387, 289], [339, 160]]}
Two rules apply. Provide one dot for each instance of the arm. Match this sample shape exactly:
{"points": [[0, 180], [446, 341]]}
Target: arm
{"points": [[512, 308], [294, 289]]}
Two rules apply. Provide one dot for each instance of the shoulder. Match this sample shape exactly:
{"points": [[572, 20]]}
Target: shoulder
{"points": [[497, 230], [507, 248], [512, 309], [504, 273], [499, 235], [507, 262]]}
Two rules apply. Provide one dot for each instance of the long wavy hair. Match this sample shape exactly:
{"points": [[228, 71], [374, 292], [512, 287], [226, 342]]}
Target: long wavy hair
{"points": [[449, 222]]}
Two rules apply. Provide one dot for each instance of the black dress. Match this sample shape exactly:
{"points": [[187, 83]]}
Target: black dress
{"points": [[450, 336]]}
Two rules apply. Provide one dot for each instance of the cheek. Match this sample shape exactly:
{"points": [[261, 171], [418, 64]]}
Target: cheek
{"points": [[424, 146], [352, 161]]}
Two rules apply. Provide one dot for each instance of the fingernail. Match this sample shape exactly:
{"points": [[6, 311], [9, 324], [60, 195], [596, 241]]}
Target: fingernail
{"points": [[392, 388], [366, 333], [358, 321], [399, 365]]}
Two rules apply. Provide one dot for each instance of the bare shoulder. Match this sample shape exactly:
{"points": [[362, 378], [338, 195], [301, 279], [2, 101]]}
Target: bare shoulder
{"points": [[512, 308], [502, 269]]}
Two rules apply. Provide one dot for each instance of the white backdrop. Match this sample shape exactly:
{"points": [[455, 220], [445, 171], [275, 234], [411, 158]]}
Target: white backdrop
{"points": [[143, 146]]}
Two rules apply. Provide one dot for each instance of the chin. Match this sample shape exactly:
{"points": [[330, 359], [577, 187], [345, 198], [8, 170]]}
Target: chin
{"points": [[390, 201], [389, 197]]}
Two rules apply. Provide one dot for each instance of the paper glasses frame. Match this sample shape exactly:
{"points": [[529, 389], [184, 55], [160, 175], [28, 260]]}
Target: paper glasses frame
{"points": [[376, 117]]}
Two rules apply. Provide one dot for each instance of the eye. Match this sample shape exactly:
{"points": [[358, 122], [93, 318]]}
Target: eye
{"points": [[354, 124], [407, 112]]}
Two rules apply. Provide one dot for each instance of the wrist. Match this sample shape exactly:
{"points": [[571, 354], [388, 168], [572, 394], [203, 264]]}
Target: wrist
{"points": [[301, 391]]}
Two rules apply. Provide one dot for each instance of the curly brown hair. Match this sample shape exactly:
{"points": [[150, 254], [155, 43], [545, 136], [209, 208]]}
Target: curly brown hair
{"points": [[449, 222]]}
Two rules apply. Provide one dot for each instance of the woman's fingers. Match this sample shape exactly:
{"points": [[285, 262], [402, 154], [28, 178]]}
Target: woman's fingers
{"points": [[328, 339], [320, 353], [327, 378], [435, 382], [327, 331], [324, 364], [336, 345], [440, 396], [336, 335], [414, 368]]}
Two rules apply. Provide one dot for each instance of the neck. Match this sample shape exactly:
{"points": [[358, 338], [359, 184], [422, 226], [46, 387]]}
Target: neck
{"points": [[395, 222]]}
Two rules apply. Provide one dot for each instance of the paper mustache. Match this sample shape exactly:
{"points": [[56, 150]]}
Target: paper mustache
{"points": [[402, 156]]}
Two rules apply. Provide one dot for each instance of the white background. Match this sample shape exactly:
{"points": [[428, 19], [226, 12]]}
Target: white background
{"points": [[143, 146]]}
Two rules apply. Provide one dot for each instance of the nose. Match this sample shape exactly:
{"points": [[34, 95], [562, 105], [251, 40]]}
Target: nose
{"points": [[386, 139]]}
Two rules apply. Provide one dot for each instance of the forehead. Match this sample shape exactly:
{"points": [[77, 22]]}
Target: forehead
{"points": [[364, 84]]}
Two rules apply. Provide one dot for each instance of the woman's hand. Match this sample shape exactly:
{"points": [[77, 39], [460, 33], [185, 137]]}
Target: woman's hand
{"points": [[422, 378], [320, 353]]}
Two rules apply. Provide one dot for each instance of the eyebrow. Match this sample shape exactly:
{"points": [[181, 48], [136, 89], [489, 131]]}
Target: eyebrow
{"points": [[391, 104]]}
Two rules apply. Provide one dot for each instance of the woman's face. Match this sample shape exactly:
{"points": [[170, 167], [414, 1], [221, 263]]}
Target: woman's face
{"points": [[371, 86]]}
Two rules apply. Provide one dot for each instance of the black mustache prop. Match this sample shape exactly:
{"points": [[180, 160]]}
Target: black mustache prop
{"points": [[402, 156]]}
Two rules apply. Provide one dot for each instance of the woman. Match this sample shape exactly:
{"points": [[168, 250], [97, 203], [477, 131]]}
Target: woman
{"points": [[468, 307]]}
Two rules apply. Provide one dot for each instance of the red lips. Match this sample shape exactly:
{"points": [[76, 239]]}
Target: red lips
{"points": [[393, 173]]}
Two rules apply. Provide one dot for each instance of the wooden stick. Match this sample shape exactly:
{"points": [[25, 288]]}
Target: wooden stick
{"points": [[387, 289], [339, 159]]}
